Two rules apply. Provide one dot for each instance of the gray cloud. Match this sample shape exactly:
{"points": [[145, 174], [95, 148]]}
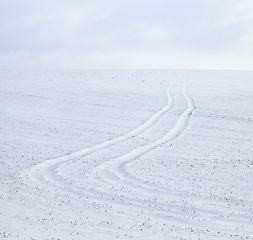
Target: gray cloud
{"points": [[96, 34]]}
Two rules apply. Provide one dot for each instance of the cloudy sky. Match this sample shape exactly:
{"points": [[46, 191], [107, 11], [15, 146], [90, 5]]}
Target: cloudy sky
{"points": [[115, 34]]}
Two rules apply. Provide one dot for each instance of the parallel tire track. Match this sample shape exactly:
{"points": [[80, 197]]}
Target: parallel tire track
{"points": [[51, 163], [43, 173], [110, 190]]}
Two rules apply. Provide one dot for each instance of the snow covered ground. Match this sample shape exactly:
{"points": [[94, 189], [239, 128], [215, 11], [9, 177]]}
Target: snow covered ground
{"points": [[141, 154]]}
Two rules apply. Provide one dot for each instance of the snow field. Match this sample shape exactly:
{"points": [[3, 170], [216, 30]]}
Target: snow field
{"points": [[154, 154]]}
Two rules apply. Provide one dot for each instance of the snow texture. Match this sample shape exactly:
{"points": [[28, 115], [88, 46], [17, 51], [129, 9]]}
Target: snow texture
{"points": [[126, 154]]}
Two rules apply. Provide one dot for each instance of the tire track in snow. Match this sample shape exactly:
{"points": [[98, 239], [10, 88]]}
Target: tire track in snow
{"points": [[116, 166], [43, 173], [149, 123], [46, 168], [112, 172], [137, 196], [158, 207]]}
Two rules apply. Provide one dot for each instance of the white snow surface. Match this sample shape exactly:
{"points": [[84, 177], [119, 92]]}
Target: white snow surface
{"points": [[126, 154]]}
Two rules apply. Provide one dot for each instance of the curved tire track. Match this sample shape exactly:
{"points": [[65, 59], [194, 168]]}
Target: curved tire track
{"points": [[109, 187], [51, 163], [44, 173], [116, 165]]}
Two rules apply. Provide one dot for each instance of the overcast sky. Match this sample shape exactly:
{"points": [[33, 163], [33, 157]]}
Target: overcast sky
{"points": [[115, 34]]}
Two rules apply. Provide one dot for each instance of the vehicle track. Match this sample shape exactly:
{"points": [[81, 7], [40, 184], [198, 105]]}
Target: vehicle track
{"points": [[110, 190], [44, 173]]}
